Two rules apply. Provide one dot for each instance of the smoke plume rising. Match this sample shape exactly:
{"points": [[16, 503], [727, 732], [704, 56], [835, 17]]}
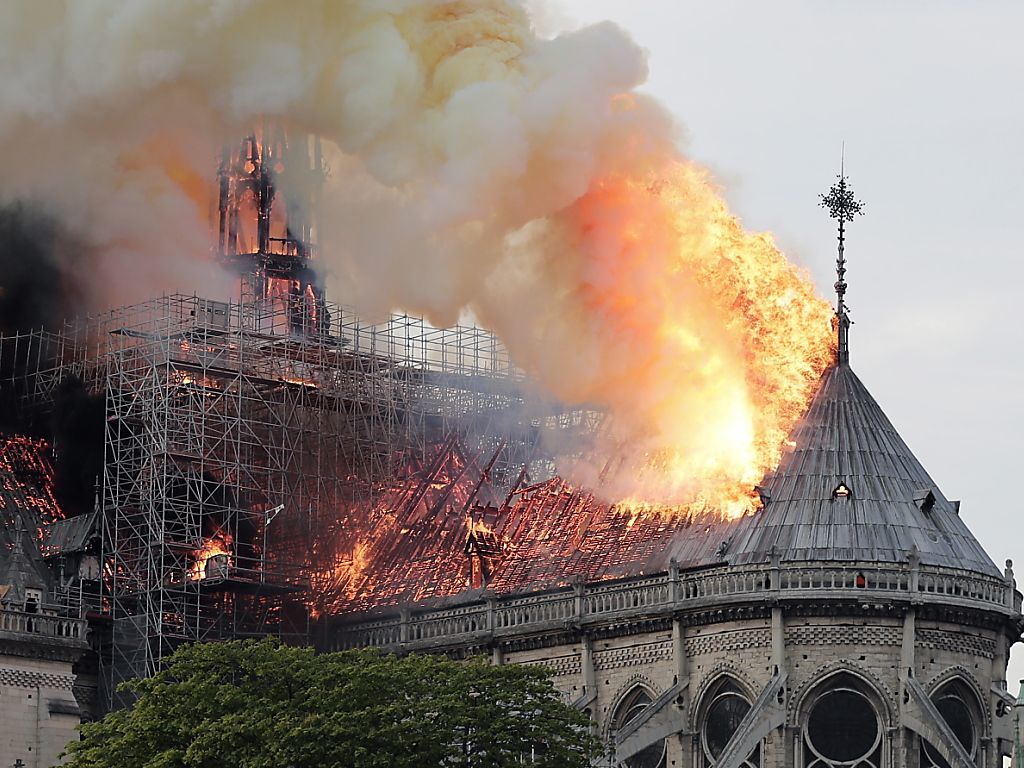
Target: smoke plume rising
{"points": [[476, 166]]}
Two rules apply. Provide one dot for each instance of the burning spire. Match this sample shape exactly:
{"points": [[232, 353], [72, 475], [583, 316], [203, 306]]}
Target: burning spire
{"points": [[269, 187], [842, 206]]}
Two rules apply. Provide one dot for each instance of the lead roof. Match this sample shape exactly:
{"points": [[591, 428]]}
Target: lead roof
{"points": [[846, 438]]}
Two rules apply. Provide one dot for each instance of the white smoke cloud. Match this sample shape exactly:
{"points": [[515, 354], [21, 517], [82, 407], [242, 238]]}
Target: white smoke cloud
{"points": [[467, 154]]}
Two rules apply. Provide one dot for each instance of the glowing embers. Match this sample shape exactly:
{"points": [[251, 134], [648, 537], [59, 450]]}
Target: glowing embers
{"points": [[483, 551], [344, 577], [27, 479], [213, 560], [192, 380], [440, 527], [403, 541]]}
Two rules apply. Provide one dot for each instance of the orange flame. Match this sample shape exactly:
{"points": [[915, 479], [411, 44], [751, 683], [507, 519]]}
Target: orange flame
{"points": [[477, 526], [212, 547], [344, 577], [723, 338]]}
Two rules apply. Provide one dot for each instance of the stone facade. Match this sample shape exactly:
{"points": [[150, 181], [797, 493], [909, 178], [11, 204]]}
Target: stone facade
{"points": [[747, 666], [38, 710]]}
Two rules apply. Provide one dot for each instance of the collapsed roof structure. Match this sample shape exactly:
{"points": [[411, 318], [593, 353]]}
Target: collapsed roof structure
{"points": [[849, 490]]}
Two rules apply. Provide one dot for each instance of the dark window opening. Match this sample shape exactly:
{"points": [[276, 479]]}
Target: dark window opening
{"points": [[843, 729], [630, 708], [924, 499], [722, 718], [953, 703], [842, 492]]}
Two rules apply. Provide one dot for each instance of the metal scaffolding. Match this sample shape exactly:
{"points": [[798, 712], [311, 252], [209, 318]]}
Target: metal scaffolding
{"points": [[232, 445], [244, 441]]}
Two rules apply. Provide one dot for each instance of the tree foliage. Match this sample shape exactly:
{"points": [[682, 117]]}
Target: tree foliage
{"points": [[264, 705]]}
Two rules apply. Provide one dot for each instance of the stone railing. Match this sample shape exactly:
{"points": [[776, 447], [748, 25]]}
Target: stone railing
{"points": [[683, 591], [42, 625]]}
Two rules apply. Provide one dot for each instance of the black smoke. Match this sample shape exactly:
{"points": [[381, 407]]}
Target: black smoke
{"points": [[36, 291], [36, 254], [77, 426]]}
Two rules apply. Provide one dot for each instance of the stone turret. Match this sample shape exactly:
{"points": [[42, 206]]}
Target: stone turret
{"points": [[39, 644], [25, 580]]}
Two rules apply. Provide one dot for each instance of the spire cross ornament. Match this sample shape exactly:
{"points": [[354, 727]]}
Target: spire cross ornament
{"points": [[842, 206]]}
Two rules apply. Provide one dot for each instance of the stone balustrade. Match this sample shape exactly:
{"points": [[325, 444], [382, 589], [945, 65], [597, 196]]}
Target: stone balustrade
{"points": [[677, 590], [42, 625]]}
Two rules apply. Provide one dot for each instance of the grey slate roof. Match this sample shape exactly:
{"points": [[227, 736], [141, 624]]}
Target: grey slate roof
{"points": [[846, 438], [21, 565], [71, 535]]}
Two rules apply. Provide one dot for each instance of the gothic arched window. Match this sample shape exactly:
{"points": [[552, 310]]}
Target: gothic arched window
{"points": [[958, 707], [842, 728], [726, 708], [632, 704]]}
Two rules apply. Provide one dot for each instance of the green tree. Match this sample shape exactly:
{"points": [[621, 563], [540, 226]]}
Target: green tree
{"points": [[265, 705]]}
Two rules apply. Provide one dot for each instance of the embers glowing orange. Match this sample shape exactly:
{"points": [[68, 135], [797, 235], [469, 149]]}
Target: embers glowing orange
{"points": [[344, 577]]}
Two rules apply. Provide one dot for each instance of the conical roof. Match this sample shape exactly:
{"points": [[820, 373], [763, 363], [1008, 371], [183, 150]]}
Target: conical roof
{"points": [[890, 504], [21, 565]]}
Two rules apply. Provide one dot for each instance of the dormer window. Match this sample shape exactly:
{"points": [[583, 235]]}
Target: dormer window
{"points": [[924, 499], [842, 492], [33, 599], [763, 496]]}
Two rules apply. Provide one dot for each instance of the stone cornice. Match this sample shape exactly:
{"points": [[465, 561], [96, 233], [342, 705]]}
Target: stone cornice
{"points": [[40, 648]]}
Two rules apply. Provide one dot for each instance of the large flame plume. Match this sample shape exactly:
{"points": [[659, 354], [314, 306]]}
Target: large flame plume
{"points": [[477, 167], [705, 342]]}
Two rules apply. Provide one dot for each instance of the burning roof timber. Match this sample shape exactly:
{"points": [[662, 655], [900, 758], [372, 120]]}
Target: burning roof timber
{"points": [[848, 490], [27, 482], [27, 506], [27, 486]]}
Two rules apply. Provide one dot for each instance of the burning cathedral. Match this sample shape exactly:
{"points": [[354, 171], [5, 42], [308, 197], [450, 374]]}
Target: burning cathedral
{"points": [[273, 465]]}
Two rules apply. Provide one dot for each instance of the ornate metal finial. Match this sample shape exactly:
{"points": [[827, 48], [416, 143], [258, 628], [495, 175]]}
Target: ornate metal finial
{"points": [[842, 206]]}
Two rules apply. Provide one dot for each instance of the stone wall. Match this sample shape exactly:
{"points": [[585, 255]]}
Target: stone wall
{"points": [[38, 712], [778, 636], [814, 650]]}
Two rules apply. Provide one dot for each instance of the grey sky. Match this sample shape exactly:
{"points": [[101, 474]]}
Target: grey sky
{"points": [[928, 97]]}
